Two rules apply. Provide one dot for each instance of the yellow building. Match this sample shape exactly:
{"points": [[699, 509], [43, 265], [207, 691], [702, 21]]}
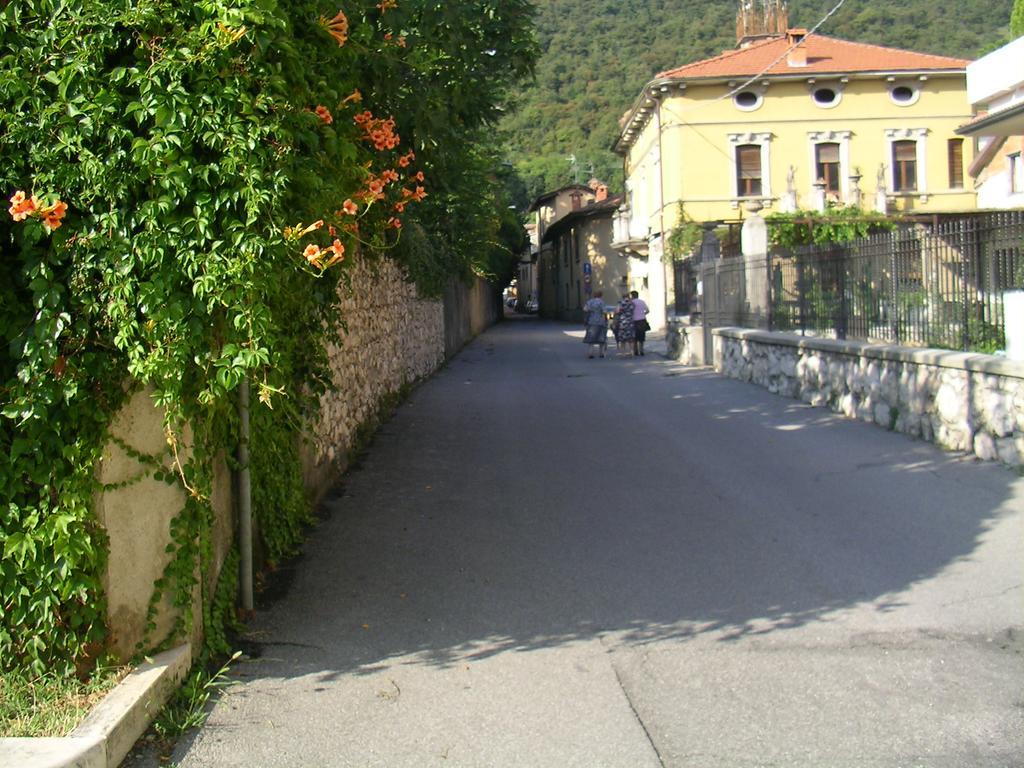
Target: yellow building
{"points": [[790, 121]]}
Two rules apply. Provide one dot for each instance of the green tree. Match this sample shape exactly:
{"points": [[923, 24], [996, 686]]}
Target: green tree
{"points": [[598, 54], [1017, 19]]}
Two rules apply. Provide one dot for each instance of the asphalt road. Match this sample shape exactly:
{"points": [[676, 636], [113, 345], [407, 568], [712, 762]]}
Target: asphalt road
{"points": [[546, 560]]}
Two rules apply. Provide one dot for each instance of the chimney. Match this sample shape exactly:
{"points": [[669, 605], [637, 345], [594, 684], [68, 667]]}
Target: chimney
{"points": [[798, 56], [760, 19], [601, 193]]}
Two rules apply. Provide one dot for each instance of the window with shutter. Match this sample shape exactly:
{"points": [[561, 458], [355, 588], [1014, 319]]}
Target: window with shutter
{"points": [[827, 161], [956, 163], [748, 170], [904, 166]]}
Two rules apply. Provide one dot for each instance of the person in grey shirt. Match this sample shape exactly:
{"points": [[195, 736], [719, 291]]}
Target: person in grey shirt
{"points": [[596, 323]]}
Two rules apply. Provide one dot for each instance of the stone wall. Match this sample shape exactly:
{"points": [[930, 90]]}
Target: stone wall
{"points": [[684, 342], [394, 338], [962, 402], [468, 311]]}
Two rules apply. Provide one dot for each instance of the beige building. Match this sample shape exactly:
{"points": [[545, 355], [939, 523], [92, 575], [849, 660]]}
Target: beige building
{"points": [[580, 259], [571, 234]]}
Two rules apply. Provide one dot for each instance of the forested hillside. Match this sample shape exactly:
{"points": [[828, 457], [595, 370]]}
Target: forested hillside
{"points": [[597, 54]]}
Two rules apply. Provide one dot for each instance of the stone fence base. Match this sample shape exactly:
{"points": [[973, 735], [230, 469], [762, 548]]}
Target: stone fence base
{"points": [[962, 402]]}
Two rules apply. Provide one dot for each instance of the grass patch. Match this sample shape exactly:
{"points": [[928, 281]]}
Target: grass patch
{"points": [[51, 705], [187, 708]]}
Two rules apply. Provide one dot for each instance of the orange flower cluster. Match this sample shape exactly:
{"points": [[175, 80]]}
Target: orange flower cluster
{"points": [[23, 207], [379, 132], [336, 27], [321, 258], [418, 194], [324, 114], [318, 257]]}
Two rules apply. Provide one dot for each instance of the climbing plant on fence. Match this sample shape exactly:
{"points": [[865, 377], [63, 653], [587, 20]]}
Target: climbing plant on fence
{"points": [[837, 224], [186, 181]]}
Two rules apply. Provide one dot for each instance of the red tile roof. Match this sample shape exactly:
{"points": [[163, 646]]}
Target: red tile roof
{"points": [[824, 55]]}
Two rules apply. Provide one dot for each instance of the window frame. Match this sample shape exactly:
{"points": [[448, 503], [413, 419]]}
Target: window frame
{"points": [[842, 138], [903, 182], [763, 142], [955, 163], [919, 136], [758, 100], [915, 94], [822, 168], [745, 185], [837, 96]]}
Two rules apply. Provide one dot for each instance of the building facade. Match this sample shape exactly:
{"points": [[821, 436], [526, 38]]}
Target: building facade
{"points": [[995, 87], [789, 121], [581, 260]]}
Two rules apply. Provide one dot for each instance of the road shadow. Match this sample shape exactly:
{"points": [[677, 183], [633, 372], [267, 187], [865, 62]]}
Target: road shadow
{"points": [[522, 501]]}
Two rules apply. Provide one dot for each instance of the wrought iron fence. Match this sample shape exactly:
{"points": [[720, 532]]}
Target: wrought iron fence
{"points": [[935, 284]]}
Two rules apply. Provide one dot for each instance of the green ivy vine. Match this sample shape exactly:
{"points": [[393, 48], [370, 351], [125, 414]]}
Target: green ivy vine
{"points": [[684, 239], [837, 224], [188, 182]]}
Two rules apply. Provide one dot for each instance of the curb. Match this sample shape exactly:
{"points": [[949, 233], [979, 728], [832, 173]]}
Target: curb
{"points": [[109, 732]]}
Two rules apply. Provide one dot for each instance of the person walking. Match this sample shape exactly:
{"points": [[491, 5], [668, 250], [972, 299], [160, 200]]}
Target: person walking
{"points": [[625, 330], [640, 324], [596, 324]]}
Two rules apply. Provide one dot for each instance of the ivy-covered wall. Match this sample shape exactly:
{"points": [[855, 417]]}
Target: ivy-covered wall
{"points": [[188, 183], [398, 340]]}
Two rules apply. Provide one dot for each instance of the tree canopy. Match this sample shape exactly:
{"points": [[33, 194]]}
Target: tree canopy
{"points": [[598, 54]]}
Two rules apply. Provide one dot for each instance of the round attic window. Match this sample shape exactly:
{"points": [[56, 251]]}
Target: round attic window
{"points": [[903, 95], [747, 100], [825, 97]]}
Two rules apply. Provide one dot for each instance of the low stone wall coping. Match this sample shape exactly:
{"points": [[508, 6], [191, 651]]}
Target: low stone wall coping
{"points": [[108, 733], [965, 361]]}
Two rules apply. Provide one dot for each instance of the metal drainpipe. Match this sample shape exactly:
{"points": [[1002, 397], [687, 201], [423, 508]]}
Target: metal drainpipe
{"points": [[244, 499], [661, 215]]}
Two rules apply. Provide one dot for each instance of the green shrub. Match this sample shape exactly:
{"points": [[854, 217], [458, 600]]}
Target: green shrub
{"points": [[185, 180]]}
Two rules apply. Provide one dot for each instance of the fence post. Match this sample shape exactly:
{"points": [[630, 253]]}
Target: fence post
{"points": [[801, 290], [894, 308], [710, 251], [769, 313], [843, 320], [965, 314]]}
